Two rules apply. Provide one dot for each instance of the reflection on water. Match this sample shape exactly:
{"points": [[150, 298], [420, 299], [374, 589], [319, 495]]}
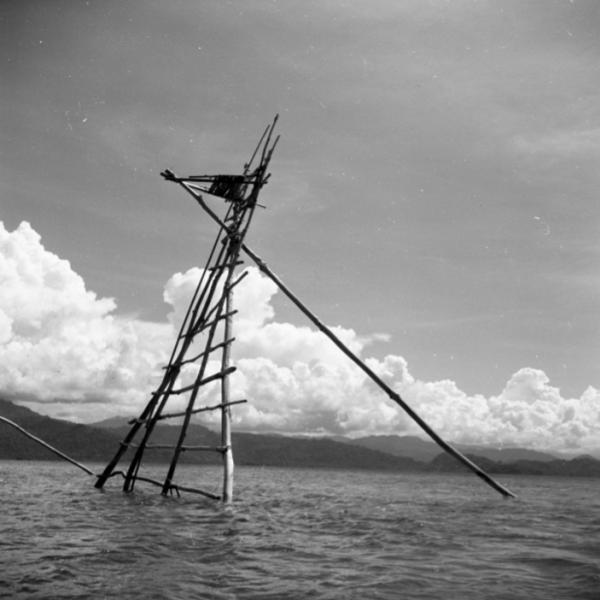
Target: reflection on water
{"points": [[298, 534]]}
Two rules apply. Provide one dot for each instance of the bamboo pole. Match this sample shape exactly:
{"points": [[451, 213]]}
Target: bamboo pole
{"points": [[207, 351], [209, 379], [204, 296], [227, 258], [196, 410], [215, 276], [46, 445], [357, 361], [197, 319], [374, 377], [228, 465], [181, 448], [155, 405], [241, 217]]}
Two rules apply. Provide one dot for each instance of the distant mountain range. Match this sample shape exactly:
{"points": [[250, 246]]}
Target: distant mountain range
{"points": [[98, 442], [426, 451]]}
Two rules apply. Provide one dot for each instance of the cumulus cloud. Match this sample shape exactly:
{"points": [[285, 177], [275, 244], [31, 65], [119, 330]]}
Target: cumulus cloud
{"points": [[65, 348], [60, 344]]}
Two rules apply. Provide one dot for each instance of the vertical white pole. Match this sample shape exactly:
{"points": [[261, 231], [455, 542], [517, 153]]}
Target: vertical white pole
{"points": [[226, 410]]}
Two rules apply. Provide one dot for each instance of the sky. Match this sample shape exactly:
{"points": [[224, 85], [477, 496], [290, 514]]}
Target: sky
{"points": [[433, 197]]}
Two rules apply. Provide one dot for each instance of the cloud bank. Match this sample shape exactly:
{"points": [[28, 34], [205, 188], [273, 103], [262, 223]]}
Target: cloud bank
{"points": [[67, 353]]}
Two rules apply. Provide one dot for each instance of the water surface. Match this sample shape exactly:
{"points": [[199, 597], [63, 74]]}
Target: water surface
{"points": [[298, 534]]}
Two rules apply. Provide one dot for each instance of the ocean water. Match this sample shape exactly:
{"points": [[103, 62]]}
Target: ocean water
{"points": [[298, 534]]}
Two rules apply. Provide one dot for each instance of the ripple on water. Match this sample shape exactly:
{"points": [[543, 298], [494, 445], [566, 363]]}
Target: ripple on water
{"points": [[299, 534]]}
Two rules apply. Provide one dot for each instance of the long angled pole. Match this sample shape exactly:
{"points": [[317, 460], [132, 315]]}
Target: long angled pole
{"points": [[373, 376], [46, 445], [358, 362]]}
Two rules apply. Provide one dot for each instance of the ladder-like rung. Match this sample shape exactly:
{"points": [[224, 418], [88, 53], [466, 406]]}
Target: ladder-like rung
{"points": [[213, 321], [183, 448], [206, 325], [211, 349], [201, 409], [204, 381], [203, 448], [183, 413]]}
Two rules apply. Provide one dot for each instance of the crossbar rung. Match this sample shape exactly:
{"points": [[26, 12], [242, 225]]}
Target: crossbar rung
{"points": [[207, 324], [183, 448], [183, 413], [204, 381], [196, 410], [211, 349], [219, 318]]}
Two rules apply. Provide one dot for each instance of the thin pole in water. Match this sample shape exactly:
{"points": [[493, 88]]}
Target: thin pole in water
{"points": [[357, 361], [374, 377], [46, 445]]}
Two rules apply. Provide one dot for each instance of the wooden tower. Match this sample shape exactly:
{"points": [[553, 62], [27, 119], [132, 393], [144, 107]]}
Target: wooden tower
{"points": [[208, 326], [205, 336]]}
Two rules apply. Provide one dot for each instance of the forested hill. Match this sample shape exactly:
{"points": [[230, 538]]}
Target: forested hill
{"points": [[98, 443]]}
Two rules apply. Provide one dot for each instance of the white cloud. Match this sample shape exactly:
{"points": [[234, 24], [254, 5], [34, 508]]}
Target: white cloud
{"points": [[64, 349], [61, 342]]}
